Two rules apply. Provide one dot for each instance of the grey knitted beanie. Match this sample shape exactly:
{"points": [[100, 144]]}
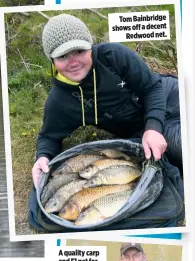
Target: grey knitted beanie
{"points": [[65, 33]]}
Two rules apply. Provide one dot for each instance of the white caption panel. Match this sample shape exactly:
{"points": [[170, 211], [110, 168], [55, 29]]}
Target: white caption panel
{"points": [[139, 26], [77, 253]]}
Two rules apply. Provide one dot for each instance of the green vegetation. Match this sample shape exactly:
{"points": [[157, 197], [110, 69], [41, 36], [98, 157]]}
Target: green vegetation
{"points": [[29, 70], [29, 78], [20, 2]]}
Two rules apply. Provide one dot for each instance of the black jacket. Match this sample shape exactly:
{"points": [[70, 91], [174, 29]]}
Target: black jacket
{"points": [[129, 97]]}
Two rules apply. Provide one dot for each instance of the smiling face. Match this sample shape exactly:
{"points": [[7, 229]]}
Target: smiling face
{"points": [[75, 65], [133, 254]]}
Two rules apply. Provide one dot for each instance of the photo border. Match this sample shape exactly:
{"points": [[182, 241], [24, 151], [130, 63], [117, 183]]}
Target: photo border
{"points": [[84, 5]]}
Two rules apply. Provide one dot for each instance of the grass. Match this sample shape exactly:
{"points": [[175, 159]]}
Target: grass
{"points": [[29, 84], [28, 87], [20, 2]]}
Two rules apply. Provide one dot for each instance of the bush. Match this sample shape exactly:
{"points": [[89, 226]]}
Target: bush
{"points": [[29, 80], [20, 2], [27, 101]]}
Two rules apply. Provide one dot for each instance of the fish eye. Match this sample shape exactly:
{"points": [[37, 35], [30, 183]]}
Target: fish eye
{"points": [[82, 214]]}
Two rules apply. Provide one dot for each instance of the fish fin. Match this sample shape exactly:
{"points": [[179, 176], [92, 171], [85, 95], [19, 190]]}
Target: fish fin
{"points": [[103, 217], [79, 207], [85, 185]]}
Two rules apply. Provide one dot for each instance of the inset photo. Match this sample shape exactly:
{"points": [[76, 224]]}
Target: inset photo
{"points": [[94, 113], [125, 251]]}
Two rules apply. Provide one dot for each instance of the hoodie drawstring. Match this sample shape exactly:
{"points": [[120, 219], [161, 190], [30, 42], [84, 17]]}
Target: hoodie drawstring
{"points": [[95, 100], [95, 96], [82, 105]]}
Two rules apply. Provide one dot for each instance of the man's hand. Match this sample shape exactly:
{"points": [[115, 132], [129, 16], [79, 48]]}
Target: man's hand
{"points": [[153, 143], [40, 165]]}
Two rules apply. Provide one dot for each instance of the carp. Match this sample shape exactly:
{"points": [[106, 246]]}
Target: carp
{"points": [[77, 163], [113, 175], [103, 208], [83, 198], [55, 183], [58, 200], [115, 154], [93, 168]]}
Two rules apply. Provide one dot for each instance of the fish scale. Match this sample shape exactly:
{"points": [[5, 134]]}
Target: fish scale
{"points": [[77, 163], [103, 164], [115, 154], [113, 175], [83, 198], [109, 162], [111, 204], [55, 183], [80, 162], [57, 201], [103, 208]]}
